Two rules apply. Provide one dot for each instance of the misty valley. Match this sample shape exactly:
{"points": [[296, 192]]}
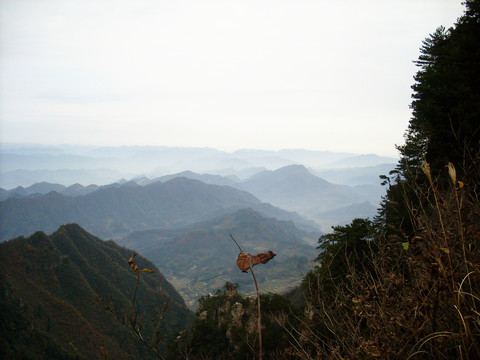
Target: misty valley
{"points": [[181, 221]]}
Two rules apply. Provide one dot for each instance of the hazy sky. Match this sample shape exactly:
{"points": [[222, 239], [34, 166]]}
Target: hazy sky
{"points": [[266, 74]]}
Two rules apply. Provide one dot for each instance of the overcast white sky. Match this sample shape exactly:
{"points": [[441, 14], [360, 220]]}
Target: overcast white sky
{"points": [[266, 74]]}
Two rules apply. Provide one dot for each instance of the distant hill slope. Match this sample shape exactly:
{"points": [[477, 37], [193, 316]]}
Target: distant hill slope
{"points": [[115, 210], [206, 178], [25, 178], [49, 286], [354, 176], [43, 188], [200, 258], [112, 212], [35, 189], [295, 188], [358, 161], [77, 189], [345, 215]]}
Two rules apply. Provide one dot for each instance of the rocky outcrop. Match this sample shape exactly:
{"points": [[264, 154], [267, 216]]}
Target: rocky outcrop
{"points": [[233, 312], [227, 326]]}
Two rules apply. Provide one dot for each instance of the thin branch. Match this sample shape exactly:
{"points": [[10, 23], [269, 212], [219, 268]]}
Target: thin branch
{"points": [[135, 293], [259, 320], [236, 242]]}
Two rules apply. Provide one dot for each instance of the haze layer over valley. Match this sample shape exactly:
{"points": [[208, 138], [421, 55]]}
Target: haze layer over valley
{"points": [[311, 183], [178, 206]]}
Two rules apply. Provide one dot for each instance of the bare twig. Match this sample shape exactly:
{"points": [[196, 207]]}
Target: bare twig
{"points": [[236, 242], [133, 322], [259, 318], [246, 262]]}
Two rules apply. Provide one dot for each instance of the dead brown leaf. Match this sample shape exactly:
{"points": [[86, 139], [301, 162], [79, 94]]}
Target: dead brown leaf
{"points": [[245, 260], [263, 258], [133, 265]]}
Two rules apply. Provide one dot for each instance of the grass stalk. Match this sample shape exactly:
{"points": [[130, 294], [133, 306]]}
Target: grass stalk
{"points": [[259, 318], [135, 292]]}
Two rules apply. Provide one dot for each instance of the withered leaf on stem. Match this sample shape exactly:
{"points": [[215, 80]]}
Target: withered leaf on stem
{"points": [[244, 260], [133, 265], [148, 270], [263, 258]]}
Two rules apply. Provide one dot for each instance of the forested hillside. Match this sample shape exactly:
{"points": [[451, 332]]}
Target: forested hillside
{"points": [[51, 288]]}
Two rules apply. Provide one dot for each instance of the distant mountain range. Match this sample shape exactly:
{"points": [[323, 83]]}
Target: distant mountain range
{"points": [[24, 165], [26, 178], [115, 211], [200, 258], [44, 187], [293, 192], [49, 308]]}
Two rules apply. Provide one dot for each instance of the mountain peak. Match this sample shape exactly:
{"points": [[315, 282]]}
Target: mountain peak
{"points": [[294, 169], [71, 229]]}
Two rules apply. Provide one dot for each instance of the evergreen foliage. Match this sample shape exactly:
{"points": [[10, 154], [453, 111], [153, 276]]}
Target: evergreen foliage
{"points": [[445, 123], [342, 253]]}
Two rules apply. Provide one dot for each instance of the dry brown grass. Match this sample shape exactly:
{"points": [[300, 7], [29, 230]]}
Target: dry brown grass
{"points": [[415, 298]]}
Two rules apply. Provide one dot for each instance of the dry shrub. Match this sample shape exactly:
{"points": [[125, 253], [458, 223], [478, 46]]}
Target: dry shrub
{"points": [[414, 297]]}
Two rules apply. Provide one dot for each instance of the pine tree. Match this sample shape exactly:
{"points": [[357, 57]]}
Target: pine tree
{"points": [[445, 123]]}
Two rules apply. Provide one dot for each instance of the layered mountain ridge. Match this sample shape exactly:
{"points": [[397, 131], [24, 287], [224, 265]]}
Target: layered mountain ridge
{"points": [[113, 212]]}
